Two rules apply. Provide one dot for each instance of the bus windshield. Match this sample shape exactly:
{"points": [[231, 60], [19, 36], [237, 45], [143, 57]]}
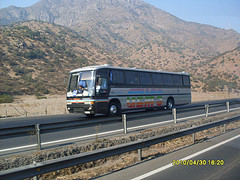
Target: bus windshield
{"points": [[81, 84]]}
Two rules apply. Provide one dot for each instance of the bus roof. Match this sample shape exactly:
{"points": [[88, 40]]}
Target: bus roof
{"points": [[106, 66]]}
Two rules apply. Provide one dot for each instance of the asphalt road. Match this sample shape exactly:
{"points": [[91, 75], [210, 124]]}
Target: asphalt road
{"points": [[88, 133], [222, 162]]}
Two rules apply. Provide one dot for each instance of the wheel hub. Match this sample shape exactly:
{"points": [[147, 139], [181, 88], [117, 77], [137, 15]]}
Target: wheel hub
{"points": [[170, 105], [113, 109]]}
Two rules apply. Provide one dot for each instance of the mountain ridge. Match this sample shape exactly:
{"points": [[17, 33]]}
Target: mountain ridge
{"points": [[108, 22]]}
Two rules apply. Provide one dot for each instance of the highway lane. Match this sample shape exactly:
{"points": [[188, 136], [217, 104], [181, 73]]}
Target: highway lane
{"points": [[88, 133], [225, 148], [24, 121]]}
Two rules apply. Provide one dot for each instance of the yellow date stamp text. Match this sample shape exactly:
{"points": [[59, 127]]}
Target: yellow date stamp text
{"points": [[190, 162]]}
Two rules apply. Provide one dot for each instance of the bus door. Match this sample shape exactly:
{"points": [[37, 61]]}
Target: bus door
{"points": [[102, 90]]}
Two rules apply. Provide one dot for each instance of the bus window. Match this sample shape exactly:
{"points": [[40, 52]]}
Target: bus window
{"points": [[131, 78], [186, 80], [157, 79], [145, 78], [82, 83], [87, 82], [116, 77], [73, 82], [167, 79], [102, 81], [177, 80], [101, 85]]}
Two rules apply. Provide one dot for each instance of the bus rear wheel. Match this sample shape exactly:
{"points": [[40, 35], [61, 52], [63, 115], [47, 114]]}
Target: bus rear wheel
{"points": [[114, 109], [170, 103]]}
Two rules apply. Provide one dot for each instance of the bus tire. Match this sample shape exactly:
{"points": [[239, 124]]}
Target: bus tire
{"points": [[114, 108], [170, 103]]}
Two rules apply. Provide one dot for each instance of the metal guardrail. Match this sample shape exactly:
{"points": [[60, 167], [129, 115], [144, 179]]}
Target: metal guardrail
{"points": [[38, 129], [69, 161]]}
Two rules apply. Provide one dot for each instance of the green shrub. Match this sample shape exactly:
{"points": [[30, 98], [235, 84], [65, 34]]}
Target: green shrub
{"points": [[41, 97], [6, 98], [34, 54]]}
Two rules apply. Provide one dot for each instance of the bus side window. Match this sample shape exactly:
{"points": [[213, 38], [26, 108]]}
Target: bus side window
{"points": [[116, 77], [177, 80], [167, 79], [131, 78], [101, 85], [157, 79], [186, 80], [145, 78], [111, 77]]}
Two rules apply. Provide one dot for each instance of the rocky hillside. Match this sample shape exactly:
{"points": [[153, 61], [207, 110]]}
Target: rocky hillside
{"points": [[219, 73], [37, 57]]}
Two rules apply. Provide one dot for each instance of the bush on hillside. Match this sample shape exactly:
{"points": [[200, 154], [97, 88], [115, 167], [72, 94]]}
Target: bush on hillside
{"points": [[6, 98]]}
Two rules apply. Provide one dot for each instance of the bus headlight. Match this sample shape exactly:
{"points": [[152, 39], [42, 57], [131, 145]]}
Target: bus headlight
{"points": [[89, 102]]}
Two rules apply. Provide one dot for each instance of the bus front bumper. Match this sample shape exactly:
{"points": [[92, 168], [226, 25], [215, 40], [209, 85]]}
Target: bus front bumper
{"points": [[81, 108]]}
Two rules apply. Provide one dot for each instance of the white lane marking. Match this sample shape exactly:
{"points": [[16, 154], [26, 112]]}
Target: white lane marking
{"points": [[57, 141], [153, 124], [17, 148], [81, 137], [185, 158], [181, 119], [108, 132]]}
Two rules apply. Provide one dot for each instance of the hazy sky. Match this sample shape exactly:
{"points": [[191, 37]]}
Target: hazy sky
{"points": [[220, 13]]}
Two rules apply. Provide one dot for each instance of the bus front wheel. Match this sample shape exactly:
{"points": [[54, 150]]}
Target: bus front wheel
{"points": [[170, 103], [114, 109]]}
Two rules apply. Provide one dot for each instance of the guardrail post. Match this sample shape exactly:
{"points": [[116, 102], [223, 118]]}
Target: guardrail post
{"points": [[174, 112], [207, 109], [124, 120], [228, 107], [139, 154], [194, 135], [37, 127], [193, 138], [35, 177], [224, 128]]}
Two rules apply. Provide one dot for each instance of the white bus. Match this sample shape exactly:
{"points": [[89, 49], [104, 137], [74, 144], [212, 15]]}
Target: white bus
{"points": [[112, 90]]}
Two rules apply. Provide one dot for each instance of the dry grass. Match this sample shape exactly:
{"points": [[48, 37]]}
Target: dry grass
{"points": [[31, 106], [208, 96]]}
